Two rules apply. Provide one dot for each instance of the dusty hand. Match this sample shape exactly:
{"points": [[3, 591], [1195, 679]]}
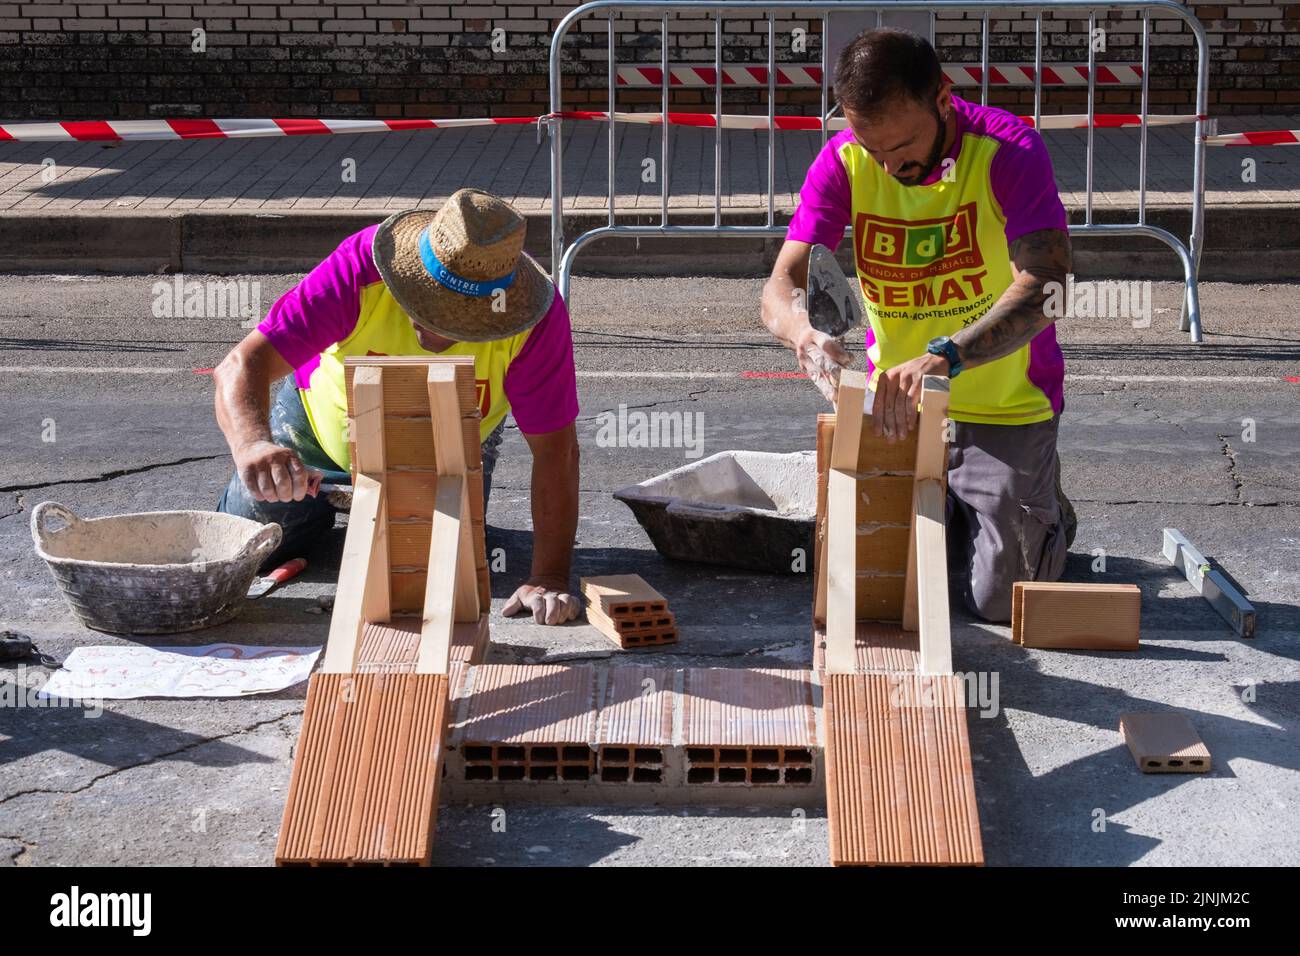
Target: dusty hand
{"points": [[898, 393], [821, 357], [271, 472], [547, 598]]}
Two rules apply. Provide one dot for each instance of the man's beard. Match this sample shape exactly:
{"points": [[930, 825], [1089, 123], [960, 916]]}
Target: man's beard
{"points": [[932, 160]]}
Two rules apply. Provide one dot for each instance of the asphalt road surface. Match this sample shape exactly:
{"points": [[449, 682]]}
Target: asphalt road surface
{"points": [[107, 408]]}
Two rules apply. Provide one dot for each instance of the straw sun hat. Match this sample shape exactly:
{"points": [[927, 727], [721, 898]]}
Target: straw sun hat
{"points": [[462, 272]]}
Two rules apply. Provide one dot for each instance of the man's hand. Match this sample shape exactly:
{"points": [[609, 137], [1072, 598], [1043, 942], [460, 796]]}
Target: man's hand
{"points": [[785, 314], [898, 393], [821, 357], [547, 598], [271, 472]]}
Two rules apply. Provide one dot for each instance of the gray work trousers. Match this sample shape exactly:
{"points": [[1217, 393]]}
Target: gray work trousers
{"points": [[1005, 521]]}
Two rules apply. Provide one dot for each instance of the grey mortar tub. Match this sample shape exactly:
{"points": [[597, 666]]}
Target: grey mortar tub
{"points": [[156, 572], [743, 509]]}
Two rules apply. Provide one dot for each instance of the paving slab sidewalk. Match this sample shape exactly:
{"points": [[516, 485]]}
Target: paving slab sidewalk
{"points": [[279, 204], [398, 170]]}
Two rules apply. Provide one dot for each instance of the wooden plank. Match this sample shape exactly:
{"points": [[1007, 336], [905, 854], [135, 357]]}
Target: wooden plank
{"points": [[447, 436], [1211, 584], [932, 578], [364, 788], [363, 592], [899, 783], [825, 435], [931, 463], [1099, 617], [849, 421], [450, 588], [441, 586], [367, 430], [1165, 742], [841, 524]]}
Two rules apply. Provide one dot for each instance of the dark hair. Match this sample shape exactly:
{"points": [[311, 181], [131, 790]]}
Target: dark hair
{"points": [[881, 65]]}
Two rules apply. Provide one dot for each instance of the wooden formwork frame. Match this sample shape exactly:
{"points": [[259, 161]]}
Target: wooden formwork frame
{"points": [[925, 595], [366, 772], [899, 781]]}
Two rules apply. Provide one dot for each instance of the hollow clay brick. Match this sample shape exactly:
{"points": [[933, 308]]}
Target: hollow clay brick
{"points": [[1100, 617], [1165, 742], [394, 647], [635, 630], [899, 785], [621, 594], [880, 646], [364, 788], [880, 596]]}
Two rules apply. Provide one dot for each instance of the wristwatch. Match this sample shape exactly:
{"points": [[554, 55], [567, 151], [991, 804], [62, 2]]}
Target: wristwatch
{"points": [[947, 348]]}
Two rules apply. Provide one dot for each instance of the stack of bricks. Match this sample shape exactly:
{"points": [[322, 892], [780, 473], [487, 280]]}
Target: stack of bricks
{"points": [[635, 735], [138, 58], [629, 611]]}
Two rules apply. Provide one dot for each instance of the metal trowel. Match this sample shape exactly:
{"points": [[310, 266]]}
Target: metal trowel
{"points": [[833, 304]]}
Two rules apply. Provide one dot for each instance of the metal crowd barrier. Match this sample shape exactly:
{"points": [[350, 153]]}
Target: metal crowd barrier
{"points": [[562, 258]]}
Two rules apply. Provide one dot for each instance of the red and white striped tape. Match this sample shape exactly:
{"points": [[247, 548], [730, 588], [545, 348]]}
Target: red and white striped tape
{"points": [[1058, 74], [810, 74], [759, 122], [1272, 137], [114, 130], [141, 130], [807, 74]]}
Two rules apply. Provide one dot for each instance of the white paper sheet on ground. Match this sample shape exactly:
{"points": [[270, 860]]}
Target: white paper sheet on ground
{"points": [[212, 670]]}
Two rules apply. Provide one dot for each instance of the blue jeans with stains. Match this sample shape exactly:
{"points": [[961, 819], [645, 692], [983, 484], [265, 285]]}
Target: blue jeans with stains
{"points": [[305, 522]]}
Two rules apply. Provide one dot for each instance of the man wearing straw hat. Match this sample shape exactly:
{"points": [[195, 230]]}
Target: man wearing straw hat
{"points": [[451, 282]]}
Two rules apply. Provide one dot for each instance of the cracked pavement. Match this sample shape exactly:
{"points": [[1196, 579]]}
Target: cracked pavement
{"points": [[203, 781]]}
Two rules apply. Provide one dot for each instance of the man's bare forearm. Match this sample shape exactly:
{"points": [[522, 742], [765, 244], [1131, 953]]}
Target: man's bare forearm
{"points": [[555, 512], [1042, 258], [780, 314], [242, 402]]}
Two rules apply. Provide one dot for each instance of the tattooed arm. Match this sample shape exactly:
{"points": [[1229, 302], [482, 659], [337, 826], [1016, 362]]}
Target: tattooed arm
{"points": [[1037, 260]]}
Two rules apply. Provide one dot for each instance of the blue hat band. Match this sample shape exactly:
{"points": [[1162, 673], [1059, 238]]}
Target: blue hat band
{"points": [[450, 280]]}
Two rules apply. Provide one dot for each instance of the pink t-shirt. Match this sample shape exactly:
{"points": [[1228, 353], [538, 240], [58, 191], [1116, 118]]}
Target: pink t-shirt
{"points": [[324, 308]]}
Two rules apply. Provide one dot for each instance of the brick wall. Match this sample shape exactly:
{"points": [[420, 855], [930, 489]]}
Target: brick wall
{"points": [[129, 59]]}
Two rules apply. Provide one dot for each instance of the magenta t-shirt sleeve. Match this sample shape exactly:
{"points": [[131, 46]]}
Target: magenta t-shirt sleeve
{"points": [[324, 307], [540, 383], [1025, 185], [825, 200]]}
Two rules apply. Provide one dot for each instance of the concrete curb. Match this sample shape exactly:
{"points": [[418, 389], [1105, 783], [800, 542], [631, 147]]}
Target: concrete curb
{"points": [[1243, 243]]}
